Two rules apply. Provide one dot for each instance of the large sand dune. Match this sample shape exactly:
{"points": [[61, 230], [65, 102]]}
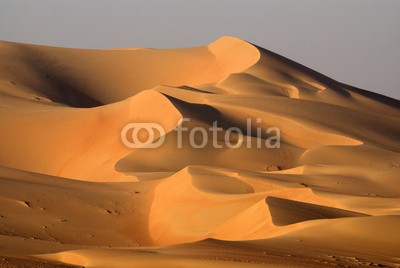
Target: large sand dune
{"points": [[71, 192]]}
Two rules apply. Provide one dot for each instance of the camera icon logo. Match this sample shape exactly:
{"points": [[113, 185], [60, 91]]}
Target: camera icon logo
{"points": [[138, 131]]}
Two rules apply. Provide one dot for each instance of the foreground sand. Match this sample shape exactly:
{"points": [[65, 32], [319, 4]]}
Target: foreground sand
{"points": [[72, 193]]}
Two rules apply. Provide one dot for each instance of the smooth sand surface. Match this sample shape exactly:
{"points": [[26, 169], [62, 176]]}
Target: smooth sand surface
{"points": [[71, 193]]}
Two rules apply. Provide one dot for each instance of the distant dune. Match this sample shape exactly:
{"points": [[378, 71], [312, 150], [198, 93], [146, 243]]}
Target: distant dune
{"points": [[72, 192]]}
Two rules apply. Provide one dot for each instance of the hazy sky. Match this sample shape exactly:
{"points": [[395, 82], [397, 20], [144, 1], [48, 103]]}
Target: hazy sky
{"points": [[353, 41]]}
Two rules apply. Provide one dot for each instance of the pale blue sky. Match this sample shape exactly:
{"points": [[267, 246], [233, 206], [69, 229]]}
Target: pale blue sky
{"points": [[353, 41]]}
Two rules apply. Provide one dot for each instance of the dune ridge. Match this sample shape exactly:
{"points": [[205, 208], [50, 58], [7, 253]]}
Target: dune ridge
{"points": [[72, 192]]}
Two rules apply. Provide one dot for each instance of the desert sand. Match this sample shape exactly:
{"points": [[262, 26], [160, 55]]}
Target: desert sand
{"points": [[73, 194]]}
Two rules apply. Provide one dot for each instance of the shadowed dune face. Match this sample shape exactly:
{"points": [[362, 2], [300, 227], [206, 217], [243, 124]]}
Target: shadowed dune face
{"points": [[87, 78], [299, 211], [72, 191]]}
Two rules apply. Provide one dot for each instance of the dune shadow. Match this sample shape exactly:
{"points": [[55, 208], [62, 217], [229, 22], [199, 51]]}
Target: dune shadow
{"points": [[286, 212], [56, 85]]}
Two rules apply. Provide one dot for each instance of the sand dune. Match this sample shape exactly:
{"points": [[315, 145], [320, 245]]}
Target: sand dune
{"points": [[72, 192]]}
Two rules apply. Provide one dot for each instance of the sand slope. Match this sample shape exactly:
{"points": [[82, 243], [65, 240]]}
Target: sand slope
{"points": [[72, 192]]}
